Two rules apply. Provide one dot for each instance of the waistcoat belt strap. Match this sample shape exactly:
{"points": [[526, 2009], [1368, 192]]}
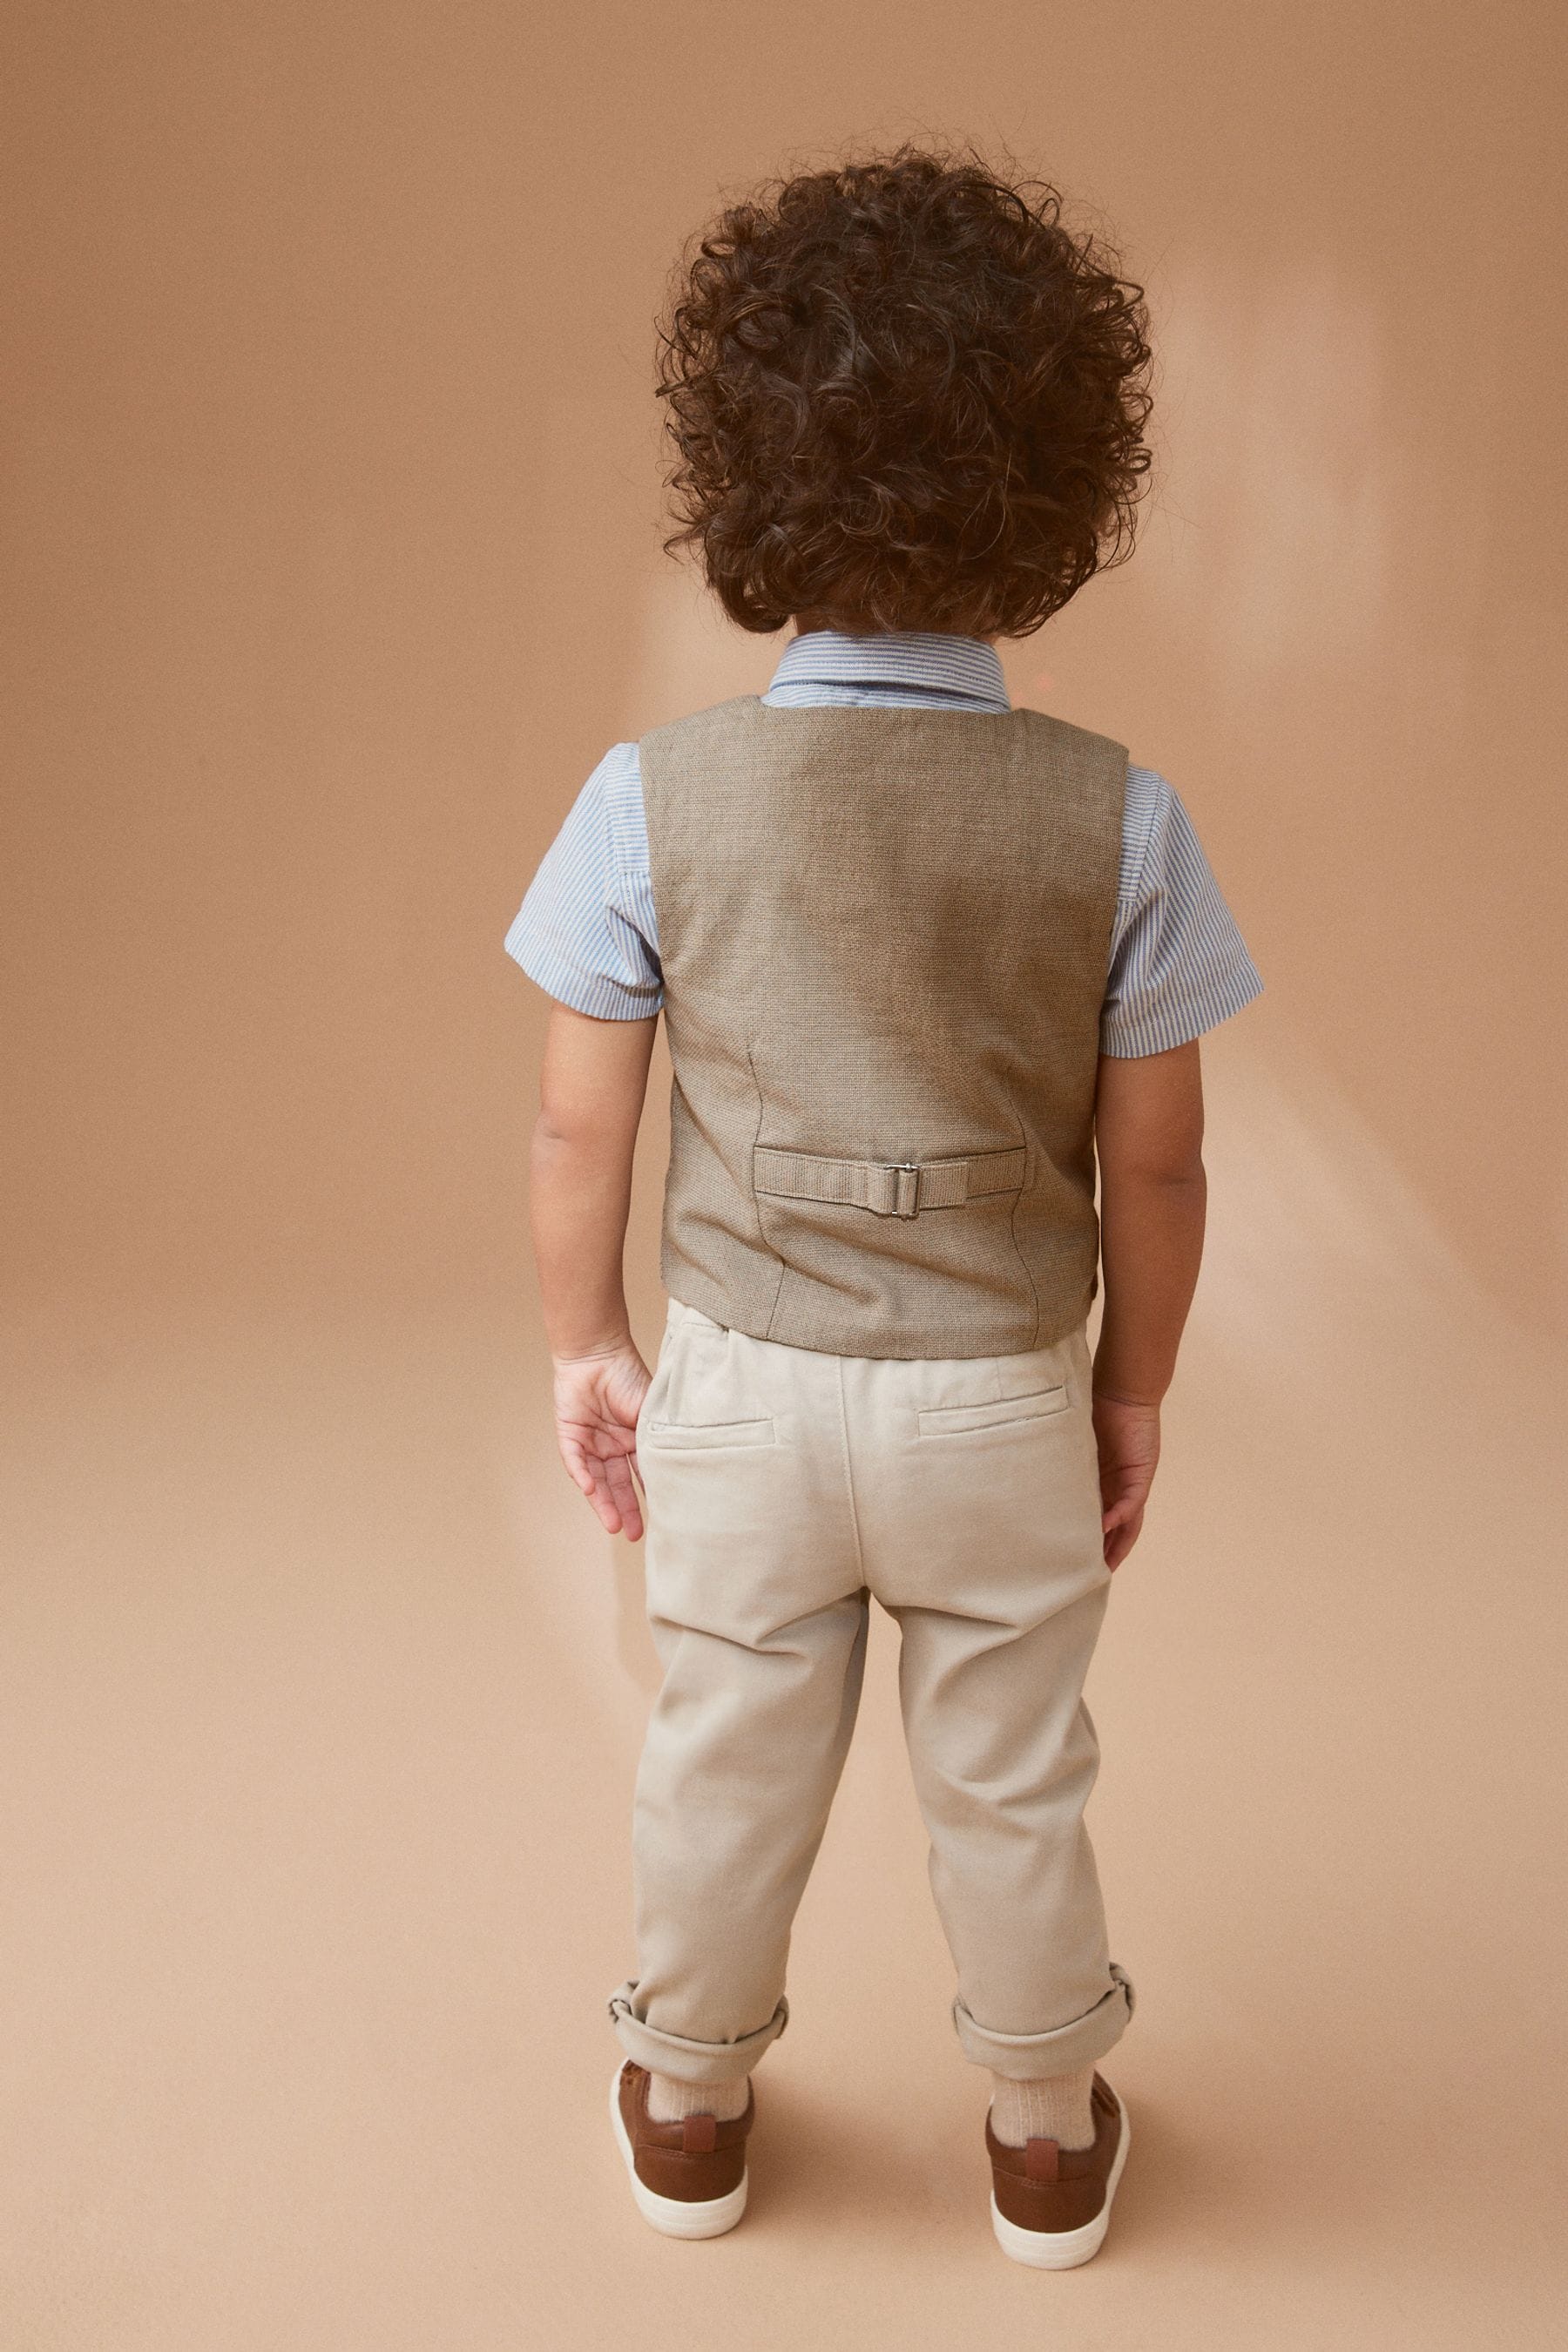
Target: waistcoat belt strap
{"points": [[890, 1188]]}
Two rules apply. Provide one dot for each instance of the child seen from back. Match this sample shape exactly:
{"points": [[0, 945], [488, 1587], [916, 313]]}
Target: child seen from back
{"points": [[927, 961]]}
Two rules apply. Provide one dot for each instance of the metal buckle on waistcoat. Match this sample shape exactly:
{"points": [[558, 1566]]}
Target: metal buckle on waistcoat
{"points": [[902, 1194]]}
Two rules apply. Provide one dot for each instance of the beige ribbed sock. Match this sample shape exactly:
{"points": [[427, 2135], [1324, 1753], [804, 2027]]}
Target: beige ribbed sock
{"points": [[1053, 2106], [669, 2101]]}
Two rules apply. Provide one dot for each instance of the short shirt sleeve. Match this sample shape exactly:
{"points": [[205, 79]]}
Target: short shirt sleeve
{"points": [[1178, 964], [584, 930]]}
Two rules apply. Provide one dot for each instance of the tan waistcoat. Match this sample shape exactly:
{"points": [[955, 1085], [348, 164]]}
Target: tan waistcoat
{"points": [[884, 933]]}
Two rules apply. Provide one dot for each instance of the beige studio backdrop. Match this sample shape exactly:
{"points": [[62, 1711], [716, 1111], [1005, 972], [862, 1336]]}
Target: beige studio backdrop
{"points": [[332, 566]]}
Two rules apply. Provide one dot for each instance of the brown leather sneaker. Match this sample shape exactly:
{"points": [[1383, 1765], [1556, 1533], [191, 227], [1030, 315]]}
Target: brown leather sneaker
{"points": [[1050, 2206], [688, 2178]]}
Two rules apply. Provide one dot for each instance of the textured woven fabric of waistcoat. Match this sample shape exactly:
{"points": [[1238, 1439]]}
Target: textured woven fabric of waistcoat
{"points": [[884, 934]]}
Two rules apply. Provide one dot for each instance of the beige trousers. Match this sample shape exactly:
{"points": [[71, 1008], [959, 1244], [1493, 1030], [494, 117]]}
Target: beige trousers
{"points": [[785, 1489]]}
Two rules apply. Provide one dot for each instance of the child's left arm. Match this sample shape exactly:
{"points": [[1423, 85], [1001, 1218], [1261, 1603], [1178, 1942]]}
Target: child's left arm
{"points": [[591, 1088]]}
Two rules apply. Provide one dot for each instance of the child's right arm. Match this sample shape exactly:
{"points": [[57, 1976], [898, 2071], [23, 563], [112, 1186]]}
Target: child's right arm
{"points": [[1148, 1128]]}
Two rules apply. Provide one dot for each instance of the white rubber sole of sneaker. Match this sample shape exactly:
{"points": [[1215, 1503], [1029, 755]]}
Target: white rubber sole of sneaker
{"points": [[674, 2217], [1063, 2250]]}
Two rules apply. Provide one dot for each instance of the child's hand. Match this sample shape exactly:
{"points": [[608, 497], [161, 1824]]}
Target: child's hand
{"points": [[1128, 1437], [597, 1399]]}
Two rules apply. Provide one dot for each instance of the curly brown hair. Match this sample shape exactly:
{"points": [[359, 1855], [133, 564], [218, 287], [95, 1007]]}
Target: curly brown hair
{"points": [[902, 396]]}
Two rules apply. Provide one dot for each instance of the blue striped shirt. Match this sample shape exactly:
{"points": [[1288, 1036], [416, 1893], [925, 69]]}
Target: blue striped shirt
{"points": [[586, 933]]}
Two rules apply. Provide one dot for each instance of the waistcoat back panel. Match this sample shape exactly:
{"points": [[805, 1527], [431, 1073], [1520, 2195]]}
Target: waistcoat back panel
{"points": [[884, 933]]}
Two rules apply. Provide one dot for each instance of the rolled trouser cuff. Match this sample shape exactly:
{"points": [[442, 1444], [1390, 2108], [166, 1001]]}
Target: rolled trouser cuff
{"points": [[690, 2061], [1025, 2057]]}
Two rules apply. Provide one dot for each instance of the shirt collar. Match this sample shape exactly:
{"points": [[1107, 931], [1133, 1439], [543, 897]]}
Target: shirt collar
{"points": [[965, 667]]}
